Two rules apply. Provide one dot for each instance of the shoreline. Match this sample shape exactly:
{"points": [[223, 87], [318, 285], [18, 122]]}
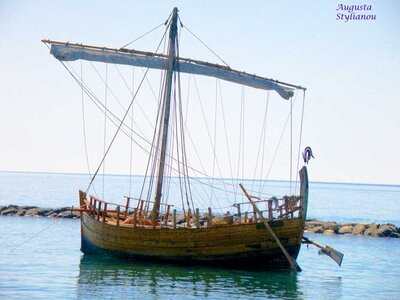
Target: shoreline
{"points": [[312, 226]]}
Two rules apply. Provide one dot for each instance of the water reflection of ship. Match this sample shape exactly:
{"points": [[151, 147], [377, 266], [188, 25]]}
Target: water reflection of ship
{"points": [[109, 277]]}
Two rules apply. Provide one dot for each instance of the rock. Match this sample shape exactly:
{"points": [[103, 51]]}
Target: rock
{"points": [[385, 230], [21, 212], [394, 235], [9, 211], [329, 231], [317, 229], [60, 210], [371, 230], [43, 212], [313, 223], [346, 229], [331, 226], [26, 207], [2, 208], [359, 229], [32, 212], [67, 215]]}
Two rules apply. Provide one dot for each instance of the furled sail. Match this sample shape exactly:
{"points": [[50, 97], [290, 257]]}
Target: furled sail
{"points": [[70, 52]]}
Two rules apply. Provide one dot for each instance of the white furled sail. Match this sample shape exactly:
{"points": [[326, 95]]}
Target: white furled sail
{"points": [[70, 52]]}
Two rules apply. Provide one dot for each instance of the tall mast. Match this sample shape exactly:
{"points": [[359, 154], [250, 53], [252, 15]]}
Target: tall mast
{"points": [[167, 107]]}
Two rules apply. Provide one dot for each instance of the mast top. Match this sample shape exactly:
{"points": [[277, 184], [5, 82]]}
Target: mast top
{"points": [[174, 19]]}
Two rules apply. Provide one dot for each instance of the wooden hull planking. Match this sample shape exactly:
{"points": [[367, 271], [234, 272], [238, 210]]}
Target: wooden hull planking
{"points": [[238, 246]]}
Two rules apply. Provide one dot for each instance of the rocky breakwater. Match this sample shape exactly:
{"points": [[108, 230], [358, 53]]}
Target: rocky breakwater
{"points": [[373, 229], [312, 226], [34, 211]]}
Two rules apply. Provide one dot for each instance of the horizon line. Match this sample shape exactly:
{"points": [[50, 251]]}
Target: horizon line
{"points": [[220, 178]]}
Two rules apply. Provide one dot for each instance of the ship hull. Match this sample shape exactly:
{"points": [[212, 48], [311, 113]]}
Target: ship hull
{"points": [[242, 246]]}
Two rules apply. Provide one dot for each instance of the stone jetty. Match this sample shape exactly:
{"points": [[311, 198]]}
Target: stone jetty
{"points": [[373, 229], [312, 226], [34, 211]]}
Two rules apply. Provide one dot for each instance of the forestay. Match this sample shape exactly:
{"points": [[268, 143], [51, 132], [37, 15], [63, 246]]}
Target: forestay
{"points": [[70, 52]]}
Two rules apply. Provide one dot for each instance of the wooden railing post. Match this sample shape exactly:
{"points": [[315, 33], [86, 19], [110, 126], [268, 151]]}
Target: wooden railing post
{"points": [[167, 215], [118, 212], [91, 206], [141, 209], [103, 219], [135, 212], [197, 218], [188, 218], [270, 216], [209, 218], [94, 207], [127, 206], [245, 217], [99, 211], [286, 206], [174, 218]]}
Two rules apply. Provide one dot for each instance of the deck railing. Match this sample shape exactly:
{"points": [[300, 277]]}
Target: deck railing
{"points": [[287, 207]]}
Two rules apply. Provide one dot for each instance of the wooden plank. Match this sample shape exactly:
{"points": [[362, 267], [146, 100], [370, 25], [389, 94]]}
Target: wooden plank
{"points": [[99, 211], [167, 215], [174, 218], [209, 218], [197, 218], [193, 235], [103, 219], [188, 218], [131, 242], [135, 215], [126, 207], [239, 213], [118, 215]]}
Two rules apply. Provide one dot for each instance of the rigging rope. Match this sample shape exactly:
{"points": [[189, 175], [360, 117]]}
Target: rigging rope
{"points": [[241, 141], [116, 133], [301, 134], [262, 143], [226, 134], [225, 63], [84, 127], [105, 126], [183, 130], [143, 35], [215, 137], [291, 144], [207, 127], [98, 104], [121, 122], [131, 137], [279, 143]]}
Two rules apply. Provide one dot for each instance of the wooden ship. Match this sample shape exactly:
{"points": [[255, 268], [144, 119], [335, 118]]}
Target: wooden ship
{"points": [[267, 236]]}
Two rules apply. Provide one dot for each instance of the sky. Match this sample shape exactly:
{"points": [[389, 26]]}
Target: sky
{"points": [[351, 71]]}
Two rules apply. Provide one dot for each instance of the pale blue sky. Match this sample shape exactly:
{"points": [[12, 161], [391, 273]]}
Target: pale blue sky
{"points": [[351, 71]]}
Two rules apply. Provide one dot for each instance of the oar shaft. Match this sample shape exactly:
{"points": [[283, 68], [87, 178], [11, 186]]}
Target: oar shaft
{"points": [[315, 244], [291, 261]]}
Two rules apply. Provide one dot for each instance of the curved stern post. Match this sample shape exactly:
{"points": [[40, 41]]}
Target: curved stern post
{"points": [[82, 199], [304, 192]]}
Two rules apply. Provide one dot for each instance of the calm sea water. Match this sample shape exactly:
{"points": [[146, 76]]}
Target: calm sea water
{"points": [[40, 258]]}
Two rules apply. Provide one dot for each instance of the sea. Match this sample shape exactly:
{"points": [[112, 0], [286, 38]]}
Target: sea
{"points": [[40, 257]]}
